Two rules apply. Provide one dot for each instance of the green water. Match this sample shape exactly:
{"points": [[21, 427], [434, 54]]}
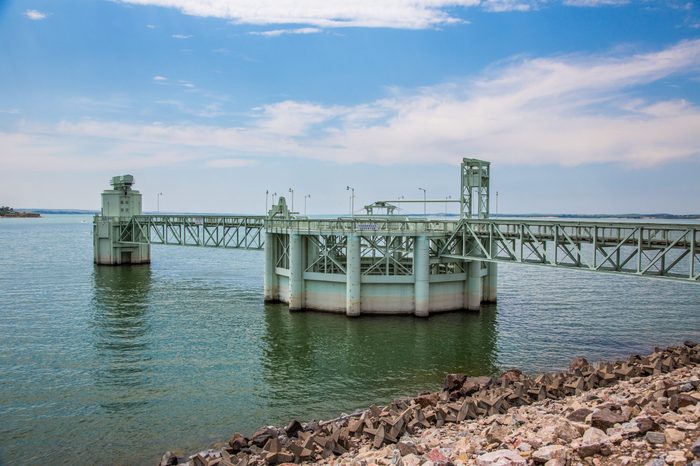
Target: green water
{"points": [[114, 365]]}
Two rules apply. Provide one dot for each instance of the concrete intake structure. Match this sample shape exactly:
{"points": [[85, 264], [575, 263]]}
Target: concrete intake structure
{"points": [[370, 268], [119, 204]]}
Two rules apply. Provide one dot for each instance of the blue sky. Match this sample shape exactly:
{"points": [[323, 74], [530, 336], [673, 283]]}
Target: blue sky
{"points": [[587, 106]]}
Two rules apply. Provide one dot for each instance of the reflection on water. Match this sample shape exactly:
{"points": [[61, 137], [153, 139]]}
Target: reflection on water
{"points": [[120, 330], [316, 357]]}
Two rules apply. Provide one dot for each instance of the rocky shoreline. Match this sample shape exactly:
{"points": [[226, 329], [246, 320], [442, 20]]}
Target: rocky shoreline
{"points": [[641, 410]]}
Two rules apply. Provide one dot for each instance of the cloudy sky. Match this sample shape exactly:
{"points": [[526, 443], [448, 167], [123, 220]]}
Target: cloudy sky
{"points": [[589, 106]]}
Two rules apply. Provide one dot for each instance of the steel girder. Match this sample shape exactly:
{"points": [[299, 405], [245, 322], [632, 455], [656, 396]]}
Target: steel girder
{"points": [[654, 250], [209, 231]]}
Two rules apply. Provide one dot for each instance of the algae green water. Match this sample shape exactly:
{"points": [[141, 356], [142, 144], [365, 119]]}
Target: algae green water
{"points": [[114, 365]]}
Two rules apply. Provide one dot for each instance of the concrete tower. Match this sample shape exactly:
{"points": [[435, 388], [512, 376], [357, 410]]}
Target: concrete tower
{"points": [[119, 204]]}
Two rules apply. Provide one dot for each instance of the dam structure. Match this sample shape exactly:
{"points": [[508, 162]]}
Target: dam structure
{"points": [[384, 263]]}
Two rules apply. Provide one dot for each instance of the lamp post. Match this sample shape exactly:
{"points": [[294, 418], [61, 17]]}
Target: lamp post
{"points": [[400, 198], [352, 200], [446, 199], [496, 202], [274, 195], [307, 196], [267, 196], [425, 204], [292, 191], [158, 202]]}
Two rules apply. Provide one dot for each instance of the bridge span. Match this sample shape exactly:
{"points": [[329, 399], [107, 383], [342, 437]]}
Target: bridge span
{"points": [[374, 264]]}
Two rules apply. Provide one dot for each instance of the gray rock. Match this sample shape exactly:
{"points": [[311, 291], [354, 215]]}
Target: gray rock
{"points": [[655, 438], [695, 448]]}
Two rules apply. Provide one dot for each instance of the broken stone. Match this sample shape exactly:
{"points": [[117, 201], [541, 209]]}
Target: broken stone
{"points": [[655, 438], [500, 458], [605, 418], [169, 459], [579, 415], [592, 443], [550, 452], [673, 435]]}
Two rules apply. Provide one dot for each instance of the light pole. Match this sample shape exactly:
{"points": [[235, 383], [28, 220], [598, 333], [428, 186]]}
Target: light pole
{"points": [[352, 200], [446, 199], [425, 204], [158, 202], [292, 191], [307, 196], [274, 195], [267, 197], [496, 201], [400, 198]]}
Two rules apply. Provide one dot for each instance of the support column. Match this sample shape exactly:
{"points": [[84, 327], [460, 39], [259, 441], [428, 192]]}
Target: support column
{"points": [[296, 272], [270, 278], [421, 272], [474, 286], [353, 274], [491, 290]]}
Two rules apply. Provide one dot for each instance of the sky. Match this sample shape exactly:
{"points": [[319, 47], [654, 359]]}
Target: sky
{"points": [[581, 106]]}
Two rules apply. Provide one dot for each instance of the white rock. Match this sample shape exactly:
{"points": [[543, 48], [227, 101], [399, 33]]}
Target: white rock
{"points": [[549, 452], [501, 458]]}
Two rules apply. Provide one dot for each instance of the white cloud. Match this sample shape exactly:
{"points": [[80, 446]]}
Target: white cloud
{"points": [[281, 32], [159, 78], [595, 3], [403, 14], [230, 163], [564, 110], [35, 15], [151, 26], [181, 36]]}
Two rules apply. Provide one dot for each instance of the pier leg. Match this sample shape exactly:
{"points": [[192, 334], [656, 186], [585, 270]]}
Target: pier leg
{"points": [[270, 278], [421, 271], [296, 272], [354, 277], [491, 280], [474, 286]]}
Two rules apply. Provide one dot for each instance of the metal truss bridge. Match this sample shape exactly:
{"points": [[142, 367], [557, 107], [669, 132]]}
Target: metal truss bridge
{"points": [[660, 250]]}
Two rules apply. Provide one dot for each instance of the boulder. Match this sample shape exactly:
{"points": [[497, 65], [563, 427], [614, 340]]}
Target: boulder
{"points": [[453, 382], [169, 459], [673, 435], [238, 442], [550, 452], [579, 415], [594, 441], [293, 428], [578, 363], [655, 438], [605, 418], [261, 436]]}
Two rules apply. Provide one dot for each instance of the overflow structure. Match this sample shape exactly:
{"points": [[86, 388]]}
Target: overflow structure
{"points": [[393, 264]]}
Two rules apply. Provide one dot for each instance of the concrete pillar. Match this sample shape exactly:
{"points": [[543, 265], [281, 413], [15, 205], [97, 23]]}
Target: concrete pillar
{"points": [[474, 286], [353, 275], [421, 271], [491, 281], [270, 278], [296, 272]]}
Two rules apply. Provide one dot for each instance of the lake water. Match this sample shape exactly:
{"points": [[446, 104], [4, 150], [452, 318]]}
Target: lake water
{"points": [[115, 365]]}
